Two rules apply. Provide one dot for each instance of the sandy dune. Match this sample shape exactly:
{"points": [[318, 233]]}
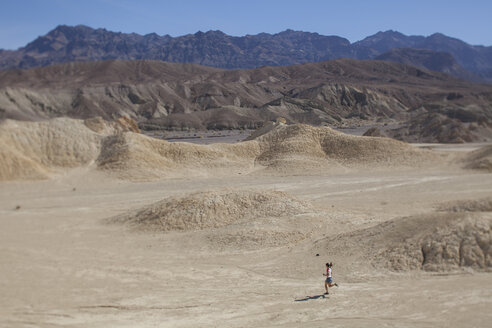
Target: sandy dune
{"points": [[33, 149], [212, 209], [90, 247]]}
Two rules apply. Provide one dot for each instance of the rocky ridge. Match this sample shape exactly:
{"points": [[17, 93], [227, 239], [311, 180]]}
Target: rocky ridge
{"points": [[217, 49]]}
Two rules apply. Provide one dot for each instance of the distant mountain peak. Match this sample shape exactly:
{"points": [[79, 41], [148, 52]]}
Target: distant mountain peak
{"points": [[443, 37], [391, 32], [290, 32], [287, 31], [383, 36], [438, 35], [216, 33], [153, 34], [70, 29]]}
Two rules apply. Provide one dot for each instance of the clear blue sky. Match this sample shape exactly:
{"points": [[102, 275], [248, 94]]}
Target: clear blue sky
{"points": [[21, 21]]}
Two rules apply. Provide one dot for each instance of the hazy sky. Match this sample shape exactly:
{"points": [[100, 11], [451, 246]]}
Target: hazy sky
{"points": [[21, 21]]}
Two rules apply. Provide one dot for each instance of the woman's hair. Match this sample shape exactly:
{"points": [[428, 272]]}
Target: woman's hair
{"points": [[327, 264]]}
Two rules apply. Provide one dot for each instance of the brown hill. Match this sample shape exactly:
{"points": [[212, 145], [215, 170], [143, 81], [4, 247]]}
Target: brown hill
{"points": [[480, 159], [436, 127], [433, 60], [180, 96]]}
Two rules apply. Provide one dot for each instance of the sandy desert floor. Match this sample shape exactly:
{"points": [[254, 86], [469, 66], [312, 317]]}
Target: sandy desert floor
{"points": [[63, 265]]}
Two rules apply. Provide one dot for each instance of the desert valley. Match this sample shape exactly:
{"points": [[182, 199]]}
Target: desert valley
{"points": [[141, 193]]}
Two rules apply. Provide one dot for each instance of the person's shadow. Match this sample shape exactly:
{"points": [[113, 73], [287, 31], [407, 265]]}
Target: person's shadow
{"points": [[308, 298]]}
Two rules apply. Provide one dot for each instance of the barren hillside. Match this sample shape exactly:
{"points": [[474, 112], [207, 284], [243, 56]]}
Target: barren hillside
{"points": [[183, 96], [41, 149]]}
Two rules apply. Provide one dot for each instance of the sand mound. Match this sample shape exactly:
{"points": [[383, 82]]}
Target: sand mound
{"points": [[278, 147], [437, 242], [134, 156], [437, 127], [476, 205], [300, 143], [31, 149], [212, 209], [14, 165], [480, 159], [454, 241]]}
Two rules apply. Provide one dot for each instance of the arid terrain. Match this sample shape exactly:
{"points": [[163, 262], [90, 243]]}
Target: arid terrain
{"points": [[104, 227], [406, 102]]}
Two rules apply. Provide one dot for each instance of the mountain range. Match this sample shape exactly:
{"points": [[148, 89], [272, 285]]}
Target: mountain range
{"points": [[217, 49]]}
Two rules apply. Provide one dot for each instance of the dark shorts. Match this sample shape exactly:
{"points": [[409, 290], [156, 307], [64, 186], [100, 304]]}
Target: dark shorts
{"points": [[329, 280]]}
